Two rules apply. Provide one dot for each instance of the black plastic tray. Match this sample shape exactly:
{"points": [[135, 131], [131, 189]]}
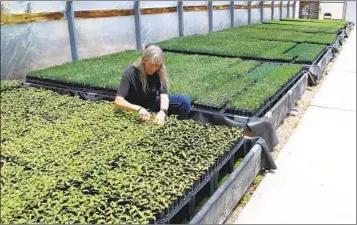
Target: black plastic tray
{"points": [[109, 94], [210, 178], [71, 86], [318, 57], [219, 206], [228, 56], [269, 103], [270, 60], [305, 31]]}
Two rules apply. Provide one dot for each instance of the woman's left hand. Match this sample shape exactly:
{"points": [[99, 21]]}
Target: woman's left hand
{"points": [[160, 117]]}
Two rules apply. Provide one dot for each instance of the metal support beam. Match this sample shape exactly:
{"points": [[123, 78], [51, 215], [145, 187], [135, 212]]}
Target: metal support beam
{"points": [[137, 24], [180, 18], [294, 10], [231, 9], [288, 11], [249, 12], [281, 10], [210, 16], [344, 10], [261, 11], [69, 14], [272, 10]]}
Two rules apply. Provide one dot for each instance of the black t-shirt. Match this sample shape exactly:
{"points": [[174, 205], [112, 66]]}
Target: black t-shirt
{"points": [[131, 88]]}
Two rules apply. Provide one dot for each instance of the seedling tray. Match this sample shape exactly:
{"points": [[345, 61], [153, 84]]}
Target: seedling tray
{"points": [[227, 196], [319, 56], [319, 65], [74, 89], [267, 105], [88, 93], [286, 103], [265, 125], [202, 184], [229, 56], [184, 206]]}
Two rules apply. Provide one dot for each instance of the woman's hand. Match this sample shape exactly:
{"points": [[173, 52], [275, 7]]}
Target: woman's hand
{"points": [[160, 117], [144, 114]]}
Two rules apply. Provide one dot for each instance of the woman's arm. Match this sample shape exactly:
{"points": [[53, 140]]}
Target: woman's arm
{"points": [[164, 102], [164, 106], [123, 104]]}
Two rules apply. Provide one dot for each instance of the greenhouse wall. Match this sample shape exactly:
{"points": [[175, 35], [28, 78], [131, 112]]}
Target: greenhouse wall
{"points": [[35, 34]]}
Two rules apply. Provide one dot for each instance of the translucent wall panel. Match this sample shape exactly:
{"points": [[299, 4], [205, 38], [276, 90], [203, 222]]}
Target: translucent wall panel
{"points": [[267, 11], [221, 2], [33, 6], [102, 5], [297, 9], [241, 2], [157, 4], [276, 13], [159, 27], [194, 3], [221, 19], [102, 36], [25, 47], [255, 2], [240, 17], [196, 22], [255, 16], [267, 14], [285, 11]]}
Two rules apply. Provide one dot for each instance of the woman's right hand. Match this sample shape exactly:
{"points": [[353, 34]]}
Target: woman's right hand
{"points": [[144, 114]]}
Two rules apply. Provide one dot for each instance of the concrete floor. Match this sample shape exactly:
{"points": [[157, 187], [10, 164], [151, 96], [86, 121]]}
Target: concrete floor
{"points": [[316, 177]]}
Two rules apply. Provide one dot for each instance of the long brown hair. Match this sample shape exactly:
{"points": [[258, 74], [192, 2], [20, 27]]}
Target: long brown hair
{"points": [[155, 55]]}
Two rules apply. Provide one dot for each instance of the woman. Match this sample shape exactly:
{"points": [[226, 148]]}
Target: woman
{"points": [[145, 86]]}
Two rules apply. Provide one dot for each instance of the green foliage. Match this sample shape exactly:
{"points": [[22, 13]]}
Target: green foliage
{"points": [[64, 160], [243, 42], [251, 32], [287, 27], [236, 164], [322, 38], [105, 71], [269, 78], [329, 22], [306, 52], [6, 85], [224, 43], [221, 182], [203, 78]]}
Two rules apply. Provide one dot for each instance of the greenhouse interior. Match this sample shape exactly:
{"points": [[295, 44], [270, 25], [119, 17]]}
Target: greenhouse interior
{"points": [[174, 112]]}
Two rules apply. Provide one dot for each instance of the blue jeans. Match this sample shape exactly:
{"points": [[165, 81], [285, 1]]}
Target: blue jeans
{"points": [[178, 104]]}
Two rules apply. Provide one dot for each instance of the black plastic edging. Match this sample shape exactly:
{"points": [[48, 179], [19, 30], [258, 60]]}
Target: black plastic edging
{"points": [[278, 113], [318, 57], [269, 102], [169, 213], [336, 43], [223, 201], [83, 94], [263, 109], [279, 94], [72, 86]]}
